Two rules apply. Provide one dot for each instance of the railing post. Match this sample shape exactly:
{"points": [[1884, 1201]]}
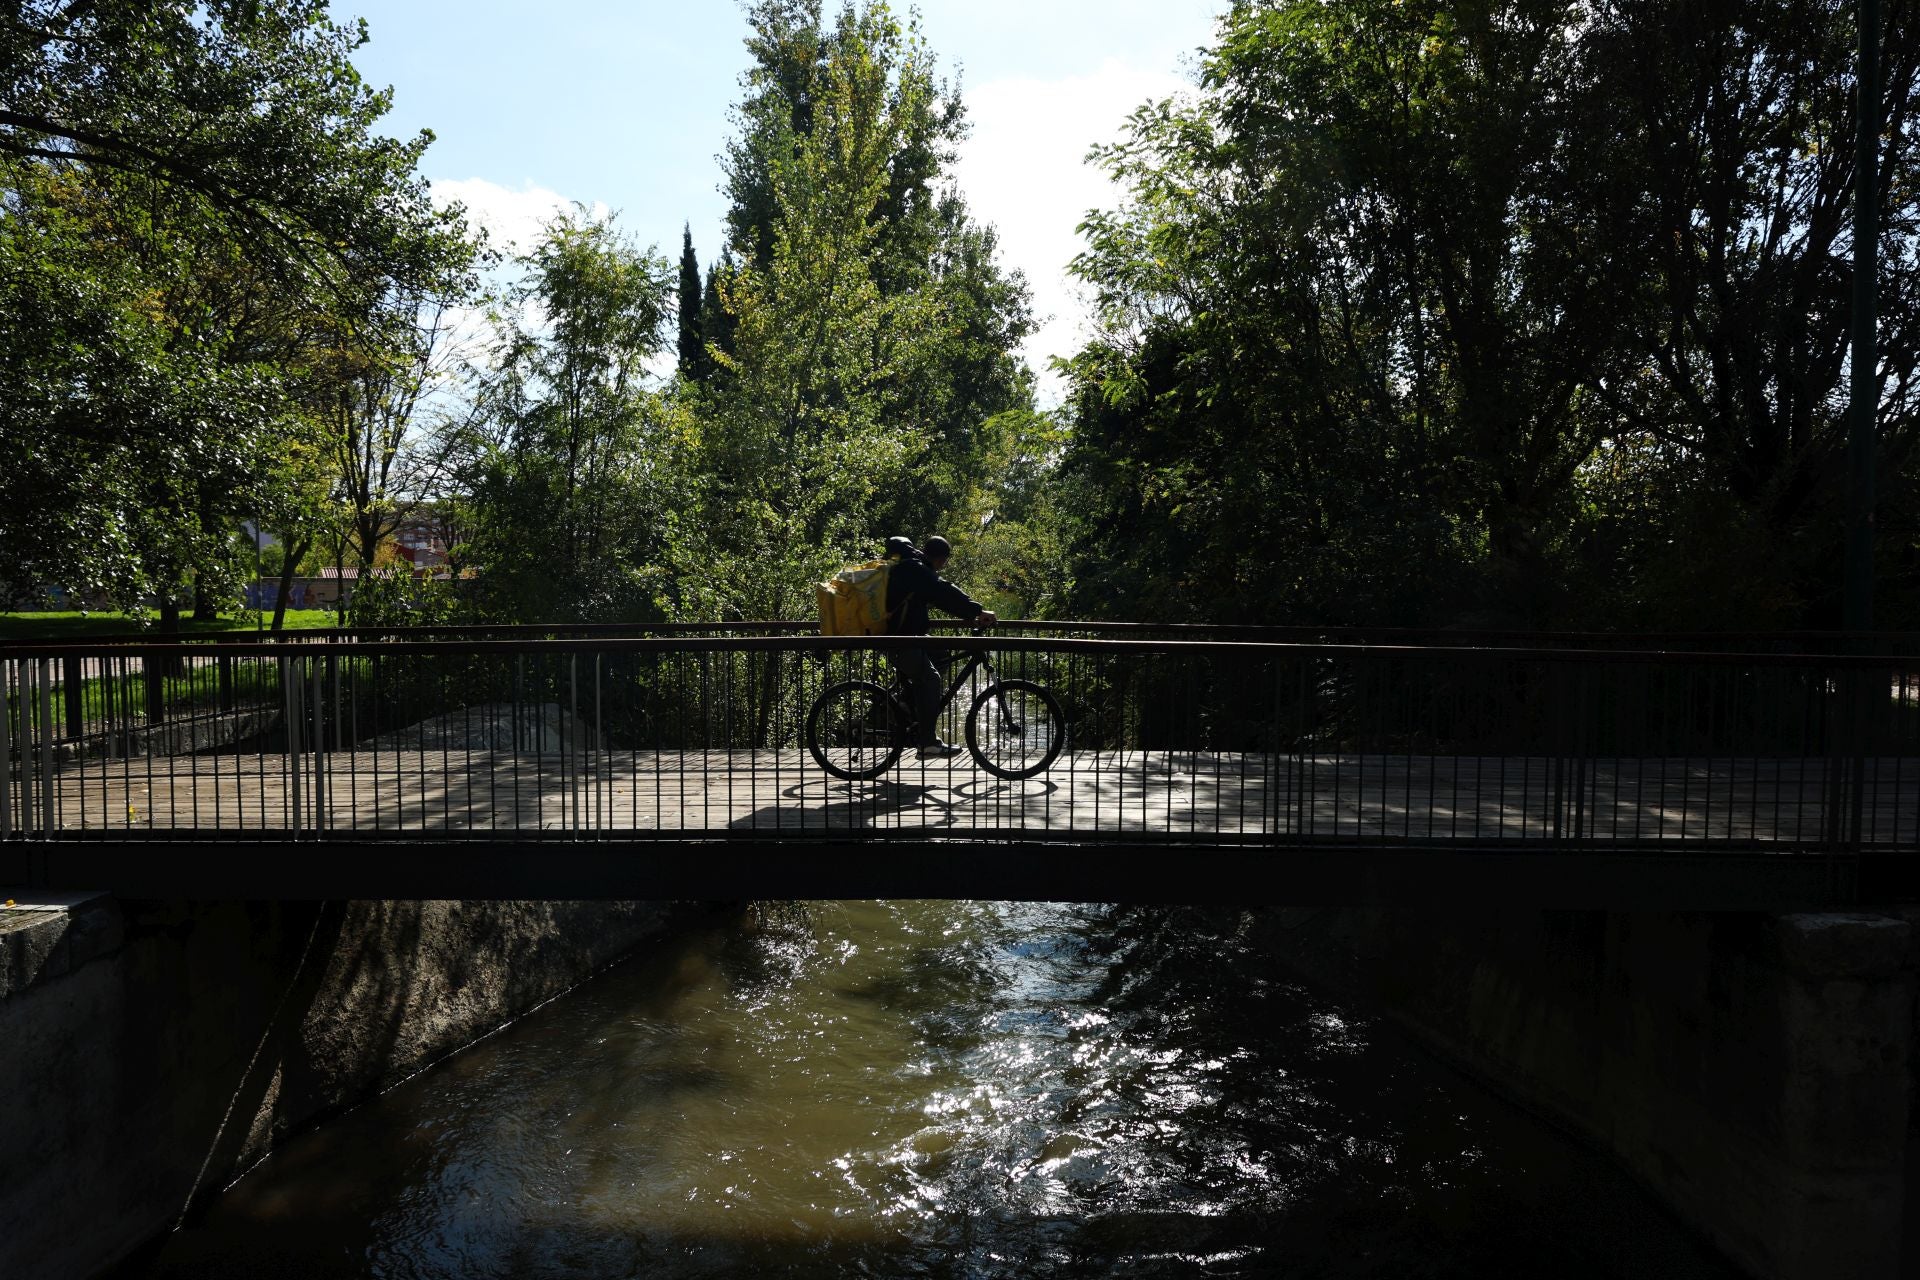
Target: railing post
{"points": [[71, 691], [1863, 685], [602, 803], [290, 716], [46, 747], [569, 751], [1838, 788], [6, 748], [519, 699], [1556, 703], [112, 735], [29, 759], [319, 746], [153, 673], [1303, 790], [1581, 749]]}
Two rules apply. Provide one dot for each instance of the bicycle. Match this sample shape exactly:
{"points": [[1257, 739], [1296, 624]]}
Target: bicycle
{"points": [[856, 729]]}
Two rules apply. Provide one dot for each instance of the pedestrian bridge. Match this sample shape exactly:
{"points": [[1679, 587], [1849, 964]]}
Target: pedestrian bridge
{"points": [[1198, 765]]}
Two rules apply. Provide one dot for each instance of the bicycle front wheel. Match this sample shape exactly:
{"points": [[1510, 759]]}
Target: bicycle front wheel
{"points": [[1016, 729], [850, 730]]}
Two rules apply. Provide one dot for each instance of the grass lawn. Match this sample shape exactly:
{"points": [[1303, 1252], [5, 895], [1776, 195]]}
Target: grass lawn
{"points": [[63, 626]]}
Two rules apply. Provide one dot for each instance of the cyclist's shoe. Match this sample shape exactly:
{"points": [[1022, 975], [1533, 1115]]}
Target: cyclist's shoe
{"points": [[940, 751]]}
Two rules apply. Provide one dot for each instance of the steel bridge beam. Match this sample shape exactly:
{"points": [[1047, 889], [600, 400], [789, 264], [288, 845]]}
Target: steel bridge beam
{"points": [[1345, 875]]}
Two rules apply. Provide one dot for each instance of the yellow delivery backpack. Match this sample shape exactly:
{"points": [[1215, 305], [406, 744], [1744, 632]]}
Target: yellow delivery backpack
{"points": [[854, 601]]}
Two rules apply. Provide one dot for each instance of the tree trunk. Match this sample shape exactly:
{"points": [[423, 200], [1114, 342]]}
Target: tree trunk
{"points": [[295, 552], [204, 607], [340, 584], [168, 631]]}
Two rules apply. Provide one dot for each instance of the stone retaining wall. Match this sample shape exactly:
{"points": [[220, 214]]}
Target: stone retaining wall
{"points": [[152, 1052], [1753, 1070]]}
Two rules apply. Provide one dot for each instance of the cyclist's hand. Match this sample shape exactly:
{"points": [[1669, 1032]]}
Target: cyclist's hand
{"points": [[986, 618]]}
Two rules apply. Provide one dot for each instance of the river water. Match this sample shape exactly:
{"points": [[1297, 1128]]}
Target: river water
{"points": [[938, 1089]]}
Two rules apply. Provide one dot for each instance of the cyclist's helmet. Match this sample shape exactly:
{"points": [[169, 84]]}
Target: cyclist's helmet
{"points": [[900, 547]]}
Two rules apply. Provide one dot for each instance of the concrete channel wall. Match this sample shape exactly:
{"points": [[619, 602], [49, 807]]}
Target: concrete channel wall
{"points": [[1755, 1071], [151, 1052]]}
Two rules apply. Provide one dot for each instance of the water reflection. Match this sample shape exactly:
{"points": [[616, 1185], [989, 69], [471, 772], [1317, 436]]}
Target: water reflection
{"points": [[939, 1089]]}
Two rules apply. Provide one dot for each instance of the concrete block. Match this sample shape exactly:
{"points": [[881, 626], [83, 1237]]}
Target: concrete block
{"points": [[35, 950], [94, 932], [1842, 944], [49, 935]]}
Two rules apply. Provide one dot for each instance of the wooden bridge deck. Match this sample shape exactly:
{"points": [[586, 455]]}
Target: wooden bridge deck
{"points": [[1219, 797]]}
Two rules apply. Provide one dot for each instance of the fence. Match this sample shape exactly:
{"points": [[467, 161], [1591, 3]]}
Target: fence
{"points": [[702, 734]]}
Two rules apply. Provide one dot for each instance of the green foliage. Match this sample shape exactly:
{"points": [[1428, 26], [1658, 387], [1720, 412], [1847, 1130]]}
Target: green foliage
{"points": [[249, 113], [130, 442], [395, 598], [572, 464], [1420, 312], [868, 333], [694, 363], [196, 201]]}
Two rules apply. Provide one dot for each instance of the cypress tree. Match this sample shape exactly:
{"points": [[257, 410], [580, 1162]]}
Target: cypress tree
{"points": [[693, 348]]}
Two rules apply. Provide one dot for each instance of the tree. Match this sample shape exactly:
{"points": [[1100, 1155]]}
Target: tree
{"points": [[131, 436], [716, 322], [194, 193], [1413, 301], [868, 331], [249, 110], [1742, 121], [368, 388], [571, 458], [693, 347]]}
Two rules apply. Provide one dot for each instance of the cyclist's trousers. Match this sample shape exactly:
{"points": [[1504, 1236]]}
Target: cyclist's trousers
{"points": [[924, 687]]}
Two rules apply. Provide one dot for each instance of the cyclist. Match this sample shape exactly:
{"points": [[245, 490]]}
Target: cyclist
{"points": [[913, 583]]}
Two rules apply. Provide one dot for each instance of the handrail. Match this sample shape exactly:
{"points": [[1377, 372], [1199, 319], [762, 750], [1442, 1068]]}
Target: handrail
{"points": [[993, 643], [1823, 642]]}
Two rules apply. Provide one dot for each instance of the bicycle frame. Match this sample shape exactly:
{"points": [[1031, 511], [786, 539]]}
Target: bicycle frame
{"points": [[980, 661], [975, 662]]}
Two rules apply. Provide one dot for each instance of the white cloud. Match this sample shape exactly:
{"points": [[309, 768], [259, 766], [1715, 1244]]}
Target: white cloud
{"points": [[1023, 170], [512, 219]]}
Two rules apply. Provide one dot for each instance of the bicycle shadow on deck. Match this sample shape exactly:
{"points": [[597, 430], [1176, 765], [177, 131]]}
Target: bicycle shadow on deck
{"points": [[881, 805]]}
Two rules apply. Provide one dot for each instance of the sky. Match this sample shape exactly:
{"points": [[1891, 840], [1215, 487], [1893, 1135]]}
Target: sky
{"points": [[624, 107]]}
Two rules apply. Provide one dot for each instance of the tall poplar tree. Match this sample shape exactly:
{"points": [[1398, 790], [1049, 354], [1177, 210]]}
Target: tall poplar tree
{"points": [[873, 331]]}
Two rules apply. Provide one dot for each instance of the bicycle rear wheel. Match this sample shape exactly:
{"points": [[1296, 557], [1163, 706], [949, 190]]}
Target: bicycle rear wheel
{"points": [[850, 730], [1016, 729]]}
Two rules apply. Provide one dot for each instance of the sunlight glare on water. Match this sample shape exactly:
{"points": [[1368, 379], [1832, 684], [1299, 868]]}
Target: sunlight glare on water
{"points": [[932, 1088]]}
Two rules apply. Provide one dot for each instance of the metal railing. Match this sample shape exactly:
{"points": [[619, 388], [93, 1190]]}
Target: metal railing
{"points": [[701, 734], [1881, 643]]}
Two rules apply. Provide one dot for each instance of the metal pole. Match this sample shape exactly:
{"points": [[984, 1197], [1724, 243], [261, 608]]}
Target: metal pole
{"points": [[6, 749], [1865, 355], [290, 713], [46, 747]]}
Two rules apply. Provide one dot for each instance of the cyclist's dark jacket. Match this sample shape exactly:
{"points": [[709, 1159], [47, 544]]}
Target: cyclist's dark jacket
{"points": [[912, 585]]}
